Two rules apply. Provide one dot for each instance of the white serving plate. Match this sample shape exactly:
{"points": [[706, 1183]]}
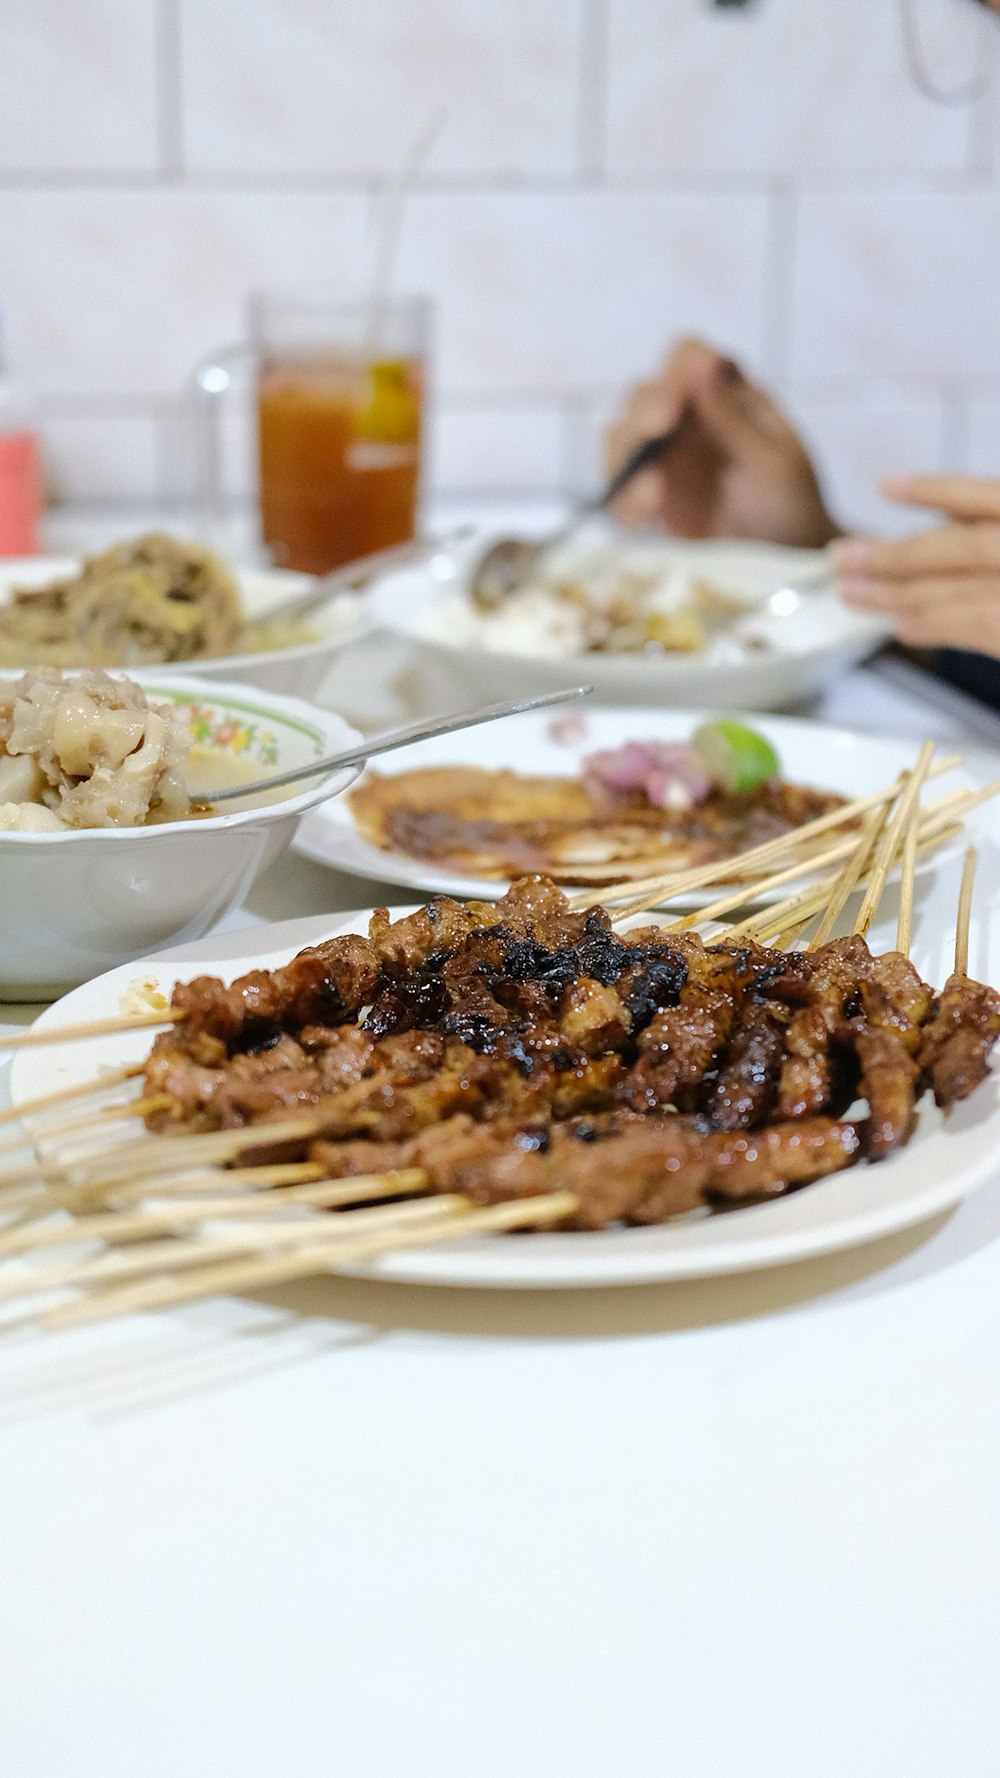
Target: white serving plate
{"points": [[802, 651], [945, 1160], [810, 752], [295, 672]]}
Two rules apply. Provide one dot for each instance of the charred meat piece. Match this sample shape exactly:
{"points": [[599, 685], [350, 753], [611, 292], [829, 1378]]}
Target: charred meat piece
{"points": [[434, 930], [958, 1039], [805, 1083], [899, 981], [747, 1083], [533, 906], [781, 1157], [611, 1172], [630, 1170], [325, 984], [677, 1050], [888, 1082], [593, 1017]]}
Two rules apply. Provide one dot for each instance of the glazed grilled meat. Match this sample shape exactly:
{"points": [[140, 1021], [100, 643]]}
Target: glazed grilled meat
{"points": [[959, 1037], [514, 1048]]}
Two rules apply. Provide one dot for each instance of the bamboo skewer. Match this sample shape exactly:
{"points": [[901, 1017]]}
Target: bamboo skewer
{"points": [[186, 1184], [965, 912], [79, 1200], [850, 876], [904, 918], [162, 1214], [739, 897], [891, 841], [241, 1275], [934, 817], [99, 1120], [698, 876], [12, 1114], [164, 1257], [810, 901], [150, 1155], [88, 1028]]}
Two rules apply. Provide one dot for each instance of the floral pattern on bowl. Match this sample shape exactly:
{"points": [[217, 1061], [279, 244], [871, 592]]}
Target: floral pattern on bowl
{"points": [[234, 728]]}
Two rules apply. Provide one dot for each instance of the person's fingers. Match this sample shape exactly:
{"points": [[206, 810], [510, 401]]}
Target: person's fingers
{"points": [[689, 364], [948, 549], [959, 624], [963, 496], [641, 501], [738, 416], [648, 410], [899, 598]]}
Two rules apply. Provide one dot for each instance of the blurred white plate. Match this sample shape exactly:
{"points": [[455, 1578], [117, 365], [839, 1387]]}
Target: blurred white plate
{"points": [[783, 650], [945, 1160], [810, 753], [293, 672]]}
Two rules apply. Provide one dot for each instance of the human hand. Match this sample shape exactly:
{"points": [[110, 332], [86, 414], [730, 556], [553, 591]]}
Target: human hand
{"points": [[940, 588], [738, 469]]}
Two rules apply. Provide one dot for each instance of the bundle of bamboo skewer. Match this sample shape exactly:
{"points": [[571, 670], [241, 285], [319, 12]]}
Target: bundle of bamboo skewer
{"points": [[157, 1221]]}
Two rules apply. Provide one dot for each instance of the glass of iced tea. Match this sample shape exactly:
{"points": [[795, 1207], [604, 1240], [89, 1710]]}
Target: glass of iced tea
{"points": [[339, 391]]}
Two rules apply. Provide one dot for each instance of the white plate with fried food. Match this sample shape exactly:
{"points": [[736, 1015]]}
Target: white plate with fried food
{"points": [[378, 1069], [644, 621], [161, 604], [464, 814]]}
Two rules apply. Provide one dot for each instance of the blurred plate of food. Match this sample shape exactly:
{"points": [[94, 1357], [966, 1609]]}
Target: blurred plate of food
{"points": [[597, 796], [159, 602], [645, 621]]}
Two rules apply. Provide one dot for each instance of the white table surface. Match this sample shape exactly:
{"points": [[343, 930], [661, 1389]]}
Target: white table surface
{"points": [[747, 1528]]}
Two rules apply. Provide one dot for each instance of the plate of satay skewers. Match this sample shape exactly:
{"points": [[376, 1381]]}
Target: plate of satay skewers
{"points": [[399, 1097]]}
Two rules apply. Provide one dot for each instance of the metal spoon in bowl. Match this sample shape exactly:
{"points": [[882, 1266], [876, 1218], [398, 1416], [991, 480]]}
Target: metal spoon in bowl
{"points": [[391, 739], [354, 576], [508, 563]]}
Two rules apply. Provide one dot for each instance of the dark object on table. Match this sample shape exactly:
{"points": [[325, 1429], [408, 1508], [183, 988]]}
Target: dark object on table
{"points": [[977, 674]]}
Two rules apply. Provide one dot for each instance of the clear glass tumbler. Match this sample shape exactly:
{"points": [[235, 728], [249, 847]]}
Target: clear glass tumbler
{"points": [[339, 391]]}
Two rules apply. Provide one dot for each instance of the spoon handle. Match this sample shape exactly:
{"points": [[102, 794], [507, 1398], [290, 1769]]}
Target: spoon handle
{"points": [[650, 451], [354, 575], [392, 738]]}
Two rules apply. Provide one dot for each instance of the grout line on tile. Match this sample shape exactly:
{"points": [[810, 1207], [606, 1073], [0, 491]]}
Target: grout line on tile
{"points": [[984, 120], [955, 431], [779, 277], [99, 405], [572, 445], [592, 91], [170, 125]]}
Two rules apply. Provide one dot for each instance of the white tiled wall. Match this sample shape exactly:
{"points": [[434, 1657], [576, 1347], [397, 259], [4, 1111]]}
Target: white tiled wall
{"points": [[611, 172]]}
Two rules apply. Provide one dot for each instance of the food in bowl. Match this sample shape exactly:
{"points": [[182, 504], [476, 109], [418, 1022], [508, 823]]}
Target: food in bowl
{"points": [[147, 601], [646, 803], [602, 601], [79, 900], [87, 750]]}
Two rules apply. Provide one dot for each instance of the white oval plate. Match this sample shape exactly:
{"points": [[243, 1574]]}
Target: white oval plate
{"points": [[802, 650], [297, 671], [945, 1160], [810, 753]]}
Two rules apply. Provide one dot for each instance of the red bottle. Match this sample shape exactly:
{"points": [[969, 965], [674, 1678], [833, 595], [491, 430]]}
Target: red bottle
{"points": [[20, 470]]}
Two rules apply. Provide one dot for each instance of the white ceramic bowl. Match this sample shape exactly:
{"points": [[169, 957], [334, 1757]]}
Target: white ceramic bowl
{"points": [[77, 903], [297, 671], [768, 659]]}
